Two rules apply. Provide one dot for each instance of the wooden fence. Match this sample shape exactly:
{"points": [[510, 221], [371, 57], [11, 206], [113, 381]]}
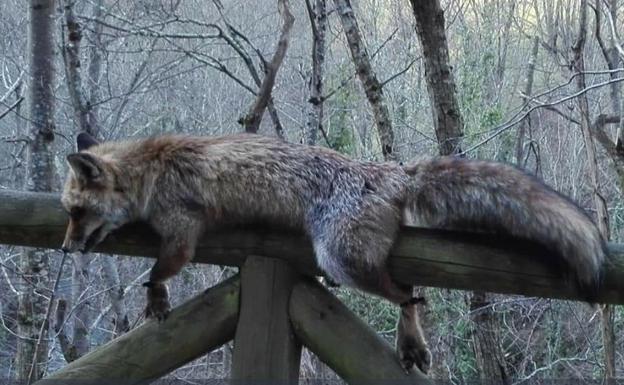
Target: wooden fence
{"points": [[274, 306]]}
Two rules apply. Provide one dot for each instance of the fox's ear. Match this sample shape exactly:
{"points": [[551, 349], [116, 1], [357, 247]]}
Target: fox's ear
{"points": [[87, 168], [84, 141]]}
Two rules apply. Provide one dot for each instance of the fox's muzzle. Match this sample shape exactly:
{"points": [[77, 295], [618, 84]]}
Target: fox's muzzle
{"points": [[72, 240], [68, 247], [76, 239]]}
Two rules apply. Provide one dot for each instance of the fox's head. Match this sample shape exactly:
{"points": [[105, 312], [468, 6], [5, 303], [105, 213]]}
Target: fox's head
{"points": [[92, 197]]}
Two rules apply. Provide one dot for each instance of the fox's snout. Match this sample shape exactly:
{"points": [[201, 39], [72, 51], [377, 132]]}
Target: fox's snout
{"points": [[74, 239], [69, 247], [83, 237]]}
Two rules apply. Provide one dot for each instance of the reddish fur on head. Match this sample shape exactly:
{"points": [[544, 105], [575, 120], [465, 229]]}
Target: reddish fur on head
{"points": [[92, 199]]}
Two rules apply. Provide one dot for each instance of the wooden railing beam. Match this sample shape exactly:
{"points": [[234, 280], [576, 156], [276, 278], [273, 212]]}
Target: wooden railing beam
{"points": [[420, 257]]}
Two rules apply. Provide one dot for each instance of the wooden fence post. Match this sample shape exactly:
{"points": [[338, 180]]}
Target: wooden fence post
{"points": [[265, 346]]}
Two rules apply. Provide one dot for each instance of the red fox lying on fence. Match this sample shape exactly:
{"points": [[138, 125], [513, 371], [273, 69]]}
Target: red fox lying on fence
{"points": [[351, 210]]}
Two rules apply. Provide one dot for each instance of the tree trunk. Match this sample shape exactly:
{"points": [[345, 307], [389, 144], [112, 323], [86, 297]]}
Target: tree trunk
{"points": [[447, 119], [94, 68], [528, 90], [372, 87], [71, 56], [448, 125], [79, 344], [32, 349], [486, 338], [86, 120], [611, 57], [116, 295], [318, 21]]}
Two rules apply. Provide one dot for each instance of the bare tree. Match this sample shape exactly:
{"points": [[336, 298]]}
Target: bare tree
{"points": [[31, 359], [448, 122], [372, 87], [487, 340], [318, 23], [80, 341], [447, 119], [578, 62], [528, 90]]}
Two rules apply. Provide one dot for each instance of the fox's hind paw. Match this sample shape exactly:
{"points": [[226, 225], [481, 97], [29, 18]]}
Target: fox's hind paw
{"points": [[157, 301], [411, 354]]}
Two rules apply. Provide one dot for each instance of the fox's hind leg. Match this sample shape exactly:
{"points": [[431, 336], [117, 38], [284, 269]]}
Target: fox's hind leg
{"points": [[352, 253], [411, 343]]}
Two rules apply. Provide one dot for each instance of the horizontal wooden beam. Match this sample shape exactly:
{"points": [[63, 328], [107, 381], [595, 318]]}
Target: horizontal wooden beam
{"points": [[420, 257], [154, 349]]}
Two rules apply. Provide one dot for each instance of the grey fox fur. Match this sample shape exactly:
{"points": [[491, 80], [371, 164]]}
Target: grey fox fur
{"points": [[351, 210]]}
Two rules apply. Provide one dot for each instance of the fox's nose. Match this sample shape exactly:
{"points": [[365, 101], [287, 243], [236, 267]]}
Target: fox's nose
{"points": [[68, 247]]}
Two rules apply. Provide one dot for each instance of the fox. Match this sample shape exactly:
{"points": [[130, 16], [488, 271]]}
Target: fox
{"points": [[351, 210]]}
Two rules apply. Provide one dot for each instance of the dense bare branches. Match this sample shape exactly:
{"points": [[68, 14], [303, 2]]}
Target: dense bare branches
{"points": [[147, 68]]}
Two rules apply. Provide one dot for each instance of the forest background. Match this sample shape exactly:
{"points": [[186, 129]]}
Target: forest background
{"points": [[536, 83]]}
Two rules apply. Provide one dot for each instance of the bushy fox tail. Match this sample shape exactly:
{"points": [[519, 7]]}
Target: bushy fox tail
{"points": [[486, 196]]}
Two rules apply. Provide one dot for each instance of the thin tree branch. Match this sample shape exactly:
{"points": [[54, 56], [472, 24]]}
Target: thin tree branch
{"points": [[513, 121], [12, 107], [252, 120], [46, 322], [12, 87]]}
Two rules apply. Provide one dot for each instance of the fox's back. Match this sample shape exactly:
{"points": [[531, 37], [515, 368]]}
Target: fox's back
{"points": [[242, 176]]}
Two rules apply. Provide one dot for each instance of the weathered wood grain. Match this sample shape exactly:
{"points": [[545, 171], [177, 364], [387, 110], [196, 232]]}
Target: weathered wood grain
{"points": [[265, 347], [421, 256], [342, 340], [154, 349]]}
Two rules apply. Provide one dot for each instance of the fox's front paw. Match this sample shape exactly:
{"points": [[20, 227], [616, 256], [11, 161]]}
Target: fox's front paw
{"points": [[412, 353], [157, 301]]}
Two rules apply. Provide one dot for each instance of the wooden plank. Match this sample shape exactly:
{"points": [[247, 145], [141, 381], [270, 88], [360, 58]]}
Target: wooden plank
{"points": [[343, 341], [265, 347], [154, 349], [421, 256]]}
